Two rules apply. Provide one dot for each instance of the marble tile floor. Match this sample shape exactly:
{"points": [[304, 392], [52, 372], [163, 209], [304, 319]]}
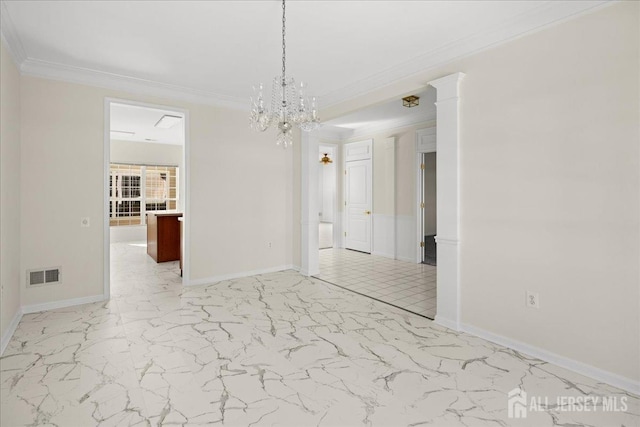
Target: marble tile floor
{"points": [[403, 284], [274, 349]]}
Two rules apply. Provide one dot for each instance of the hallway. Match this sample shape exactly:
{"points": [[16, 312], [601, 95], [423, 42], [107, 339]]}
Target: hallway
{"points": [[403, 284]]}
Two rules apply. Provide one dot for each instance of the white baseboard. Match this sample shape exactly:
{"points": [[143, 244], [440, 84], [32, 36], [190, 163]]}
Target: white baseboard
{"points": [[35, 308], [573, 365], [6, 337], [406, 259], [220, 278], [447, 323]]}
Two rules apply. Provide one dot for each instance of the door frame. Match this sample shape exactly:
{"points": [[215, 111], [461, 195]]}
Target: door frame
{"points": [[425, 143], [345, 221], [106, 169], [448, 200]]}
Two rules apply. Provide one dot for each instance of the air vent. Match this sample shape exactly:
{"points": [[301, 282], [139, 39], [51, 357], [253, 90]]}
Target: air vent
{"points": [[43, 276], [36, 278]]}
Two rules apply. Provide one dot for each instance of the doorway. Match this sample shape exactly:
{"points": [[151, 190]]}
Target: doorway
{"points": [[146, 172], [447, 99], [428, 208], [327, 195]]}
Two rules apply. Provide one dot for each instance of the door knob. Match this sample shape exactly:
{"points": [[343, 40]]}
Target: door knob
{"points": [[367, 212]]}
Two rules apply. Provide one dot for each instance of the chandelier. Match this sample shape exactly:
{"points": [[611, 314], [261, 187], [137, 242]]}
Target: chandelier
{"points": [[290, 105]]}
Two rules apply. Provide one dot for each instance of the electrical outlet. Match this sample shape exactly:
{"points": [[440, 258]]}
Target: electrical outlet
{"points": [[533, 299], [84, 222]]}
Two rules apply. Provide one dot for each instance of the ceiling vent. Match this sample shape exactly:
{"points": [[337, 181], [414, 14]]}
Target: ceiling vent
{"points": [[44, 276]]}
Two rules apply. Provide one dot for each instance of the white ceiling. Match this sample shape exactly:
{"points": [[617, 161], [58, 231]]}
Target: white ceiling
{"points": [[387, 115], [214, 51], [141, 121]]}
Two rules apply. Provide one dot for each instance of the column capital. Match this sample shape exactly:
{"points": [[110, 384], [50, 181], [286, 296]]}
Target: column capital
{"points": [[448, 86]]}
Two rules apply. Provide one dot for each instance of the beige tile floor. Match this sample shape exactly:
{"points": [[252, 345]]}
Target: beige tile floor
{"points": [[403, 284]]}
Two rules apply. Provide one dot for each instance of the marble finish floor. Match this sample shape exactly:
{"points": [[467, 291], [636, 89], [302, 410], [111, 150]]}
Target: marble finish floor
{"points": [[404, 284], [274, 349]]}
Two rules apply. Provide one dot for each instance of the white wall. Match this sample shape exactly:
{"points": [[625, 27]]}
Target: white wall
{"points": [[9, 191], [550, 187], [146, 152], [550, 190], [234, 174]]}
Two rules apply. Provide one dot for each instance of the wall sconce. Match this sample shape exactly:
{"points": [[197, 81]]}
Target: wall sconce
{"points": [[326, 160], [411, 101]]}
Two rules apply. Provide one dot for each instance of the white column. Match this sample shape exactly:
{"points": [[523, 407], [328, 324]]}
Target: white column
{"points": [[448, 199], [310, 222]]}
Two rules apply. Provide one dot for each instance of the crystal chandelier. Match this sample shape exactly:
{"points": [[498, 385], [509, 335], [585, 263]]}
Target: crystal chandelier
{"points": [[290, 105]]}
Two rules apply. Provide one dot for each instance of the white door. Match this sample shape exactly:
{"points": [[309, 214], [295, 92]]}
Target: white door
{"points": [[358, 205]]}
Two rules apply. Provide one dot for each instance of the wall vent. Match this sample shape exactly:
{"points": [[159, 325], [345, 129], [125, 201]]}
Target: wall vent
{"points": [[44, 276]]}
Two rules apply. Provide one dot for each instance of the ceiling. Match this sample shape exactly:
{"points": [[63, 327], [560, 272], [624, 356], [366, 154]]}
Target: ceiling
{"points": [[214, 51], [141, 121], [388, 115]]}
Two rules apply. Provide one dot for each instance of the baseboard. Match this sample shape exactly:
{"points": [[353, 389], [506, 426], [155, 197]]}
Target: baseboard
{"points": [[6, 337], [447, 323], [35, 308], [406, 259], [610, 378], [220, 278]]}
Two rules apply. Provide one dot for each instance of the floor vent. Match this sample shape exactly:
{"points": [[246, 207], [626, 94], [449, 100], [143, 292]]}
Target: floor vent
{"points": [[44, 276]]}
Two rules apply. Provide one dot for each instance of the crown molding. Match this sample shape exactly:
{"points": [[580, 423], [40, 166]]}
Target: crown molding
{"points": [[87, 76], [548, 14], [10, 37]]}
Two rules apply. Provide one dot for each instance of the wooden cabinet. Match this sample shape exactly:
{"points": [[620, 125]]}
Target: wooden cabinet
{"points": [[163, 236], [181, 220]]}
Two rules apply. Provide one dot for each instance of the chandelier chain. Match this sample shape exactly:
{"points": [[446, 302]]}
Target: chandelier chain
{"points": [[284, 45]]}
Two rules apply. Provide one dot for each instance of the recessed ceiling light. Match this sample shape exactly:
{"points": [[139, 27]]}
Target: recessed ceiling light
{"points": [[168, 121], [124, 132]]}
